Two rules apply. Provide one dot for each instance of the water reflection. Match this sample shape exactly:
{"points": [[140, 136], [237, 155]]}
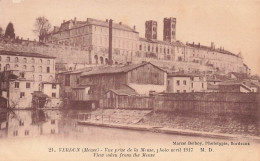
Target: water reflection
{"points": [[42, 129], [24, 123], [63, 125]]}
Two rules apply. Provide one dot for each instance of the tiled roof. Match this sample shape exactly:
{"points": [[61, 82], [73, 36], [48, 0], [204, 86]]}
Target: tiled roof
{"points": [[117, 69], [81, 87], [176, 43], [240, 75], [203, 47], [245, 83], [213, 80], [124, 92], [90, 21], [106, 24], [181, 74], [25, 54]]}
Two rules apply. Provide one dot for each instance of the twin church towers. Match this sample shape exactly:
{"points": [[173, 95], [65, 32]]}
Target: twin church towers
{"points": [[169, 29]]}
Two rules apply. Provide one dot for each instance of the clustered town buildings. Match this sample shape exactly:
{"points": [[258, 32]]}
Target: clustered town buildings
{"points": [[128, 46], [137, 66]]}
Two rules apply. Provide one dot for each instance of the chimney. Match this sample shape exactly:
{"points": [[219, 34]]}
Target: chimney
{"points": [[106, 20], [120, 23], [212, 45], [110, 42], [199, 45], [75, 19], [63, 21], [134, 27], [193, 44]]}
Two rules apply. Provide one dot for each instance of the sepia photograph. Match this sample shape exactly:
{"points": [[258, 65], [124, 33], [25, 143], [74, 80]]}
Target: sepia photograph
{"points": [[129, 80]]}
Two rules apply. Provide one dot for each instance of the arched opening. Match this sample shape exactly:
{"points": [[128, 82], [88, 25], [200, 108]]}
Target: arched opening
{"points": [[106, 61], [96, 59], [116, 63], [101, 60]]}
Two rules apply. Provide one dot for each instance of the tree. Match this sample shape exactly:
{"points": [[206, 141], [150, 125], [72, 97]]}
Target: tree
{"points": [[41, 27], [9, 32], [1, 31]]}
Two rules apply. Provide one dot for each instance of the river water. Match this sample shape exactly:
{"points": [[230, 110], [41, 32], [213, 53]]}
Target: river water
{"points": [[29, 135]]}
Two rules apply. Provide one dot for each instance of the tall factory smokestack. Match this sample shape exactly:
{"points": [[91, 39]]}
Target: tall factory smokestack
{"points": [[110, 62]]}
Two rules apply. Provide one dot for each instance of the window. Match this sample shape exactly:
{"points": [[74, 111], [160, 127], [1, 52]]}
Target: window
{"points": [[191, 85], [52, 131], [24, 60], [22, 94], [16, 59], [67, 80], [40, 60], [53, 95], [40, 77], [53, 86], [16, 66], [178, 91], [26, 132], [184, 82], [48, 61], [15, 133], [77, 80], [40, 68], [16, 85], [184, 91], [33, 68], [7, 66], [52, 121], [178, 82], [22, 74], [202, 85], [33, 60], [8, 59], [28, 85], [48, 69], [24, 67], [21, 123]]}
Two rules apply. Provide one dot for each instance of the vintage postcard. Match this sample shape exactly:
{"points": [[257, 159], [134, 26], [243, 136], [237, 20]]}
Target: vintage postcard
{"points": [[126, 80]]}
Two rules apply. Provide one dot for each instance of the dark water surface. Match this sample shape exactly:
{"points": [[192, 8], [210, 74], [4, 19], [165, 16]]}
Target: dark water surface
{"points": [[51, 135]]}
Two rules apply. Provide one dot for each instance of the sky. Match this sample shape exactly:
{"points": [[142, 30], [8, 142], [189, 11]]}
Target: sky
{"points": [[232, 24]]}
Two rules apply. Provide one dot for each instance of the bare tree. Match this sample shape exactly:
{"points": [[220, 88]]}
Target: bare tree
{"points": [[1, 32], [41, 27]]}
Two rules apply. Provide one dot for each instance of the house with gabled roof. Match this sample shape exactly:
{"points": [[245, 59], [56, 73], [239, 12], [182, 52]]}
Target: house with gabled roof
{"points": [[143, 78]]}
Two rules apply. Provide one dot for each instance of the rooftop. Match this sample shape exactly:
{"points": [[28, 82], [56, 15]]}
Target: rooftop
{"points": [[90, 21], [124, 92], [116, 69], [203, 47], [25, 54]]}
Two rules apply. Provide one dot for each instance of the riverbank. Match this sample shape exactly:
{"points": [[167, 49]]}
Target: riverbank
{"points": [[223, 126]]}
